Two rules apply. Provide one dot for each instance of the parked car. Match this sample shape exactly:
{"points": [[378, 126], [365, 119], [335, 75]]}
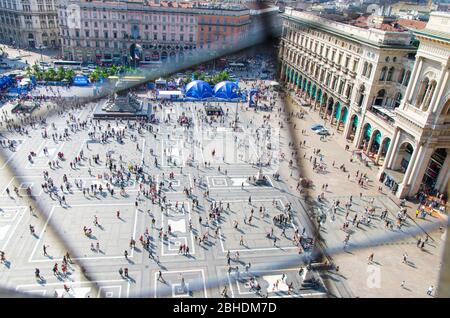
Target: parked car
{"points": [[316, 127], [323, 132]]}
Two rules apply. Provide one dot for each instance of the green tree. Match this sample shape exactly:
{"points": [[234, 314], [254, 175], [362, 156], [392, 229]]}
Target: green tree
{"points": [[50, 74], [69, 75], [60, 73]]}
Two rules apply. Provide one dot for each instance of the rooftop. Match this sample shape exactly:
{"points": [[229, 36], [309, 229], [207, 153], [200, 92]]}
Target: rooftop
{"points": [[412, 24], [370, 21], [373, 30]]}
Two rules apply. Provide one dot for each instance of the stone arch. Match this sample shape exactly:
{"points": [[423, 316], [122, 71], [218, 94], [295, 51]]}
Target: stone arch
{"points": [[383, 73], [375, 142], [390, 74], [379, 99], [329, 107], [361, 95], [383, 150], [404, 154], [337, 111], [365, 137], [354, 122], [344, 114], [313, 91], [445, 114], [319, 95], [397, 100], [322, 107]]}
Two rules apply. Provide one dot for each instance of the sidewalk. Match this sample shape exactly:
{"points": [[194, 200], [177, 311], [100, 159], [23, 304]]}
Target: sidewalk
{"points": [[383, 278]]}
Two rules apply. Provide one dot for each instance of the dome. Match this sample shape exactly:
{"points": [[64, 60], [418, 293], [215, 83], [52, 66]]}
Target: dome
{"points": [[226, 90], [198, 89]]}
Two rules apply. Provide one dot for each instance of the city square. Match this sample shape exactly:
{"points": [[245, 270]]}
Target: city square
{"points": [[275, 172]]}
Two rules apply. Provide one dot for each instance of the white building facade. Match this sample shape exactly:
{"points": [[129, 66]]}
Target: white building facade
{"points": [[360, 81], [95, 31], [29, 23]]}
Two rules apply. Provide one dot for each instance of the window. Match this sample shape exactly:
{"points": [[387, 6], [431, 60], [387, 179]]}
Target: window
{"points": [[401, 76], [383, 73], [369, 71], [390, 74], [407, 78], [366, 65], [361, 95], [397, 100], [355, 65], [380, 97]]}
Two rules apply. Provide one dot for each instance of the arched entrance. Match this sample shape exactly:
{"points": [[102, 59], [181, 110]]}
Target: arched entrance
{"points": [[404, 157], [329, 111], [374, 147], [342, 118], [354, 121], [435, 165], [308, 89], [366, 134], [337, 112], [313, 91], [383, 150]]}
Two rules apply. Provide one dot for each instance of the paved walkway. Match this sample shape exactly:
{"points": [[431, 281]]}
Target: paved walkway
{"points": [[383, 277]]}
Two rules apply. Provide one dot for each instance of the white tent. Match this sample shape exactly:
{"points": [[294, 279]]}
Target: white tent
{"points": [[169, 94], [273, 83], [160, 81]]}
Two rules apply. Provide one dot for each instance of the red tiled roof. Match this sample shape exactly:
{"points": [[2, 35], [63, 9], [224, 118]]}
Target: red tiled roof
{"points": [[413, 24]]}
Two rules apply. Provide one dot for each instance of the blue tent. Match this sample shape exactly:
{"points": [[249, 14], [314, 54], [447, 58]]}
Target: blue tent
{"points": [[198, 89], [80, 80], [5, 81], [226, 90]]}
